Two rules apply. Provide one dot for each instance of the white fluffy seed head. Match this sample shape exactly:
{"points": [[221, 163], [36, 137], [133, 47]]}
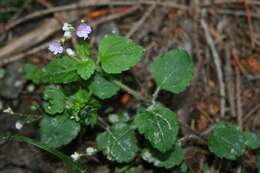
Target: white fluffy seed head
{"points": [[90, 151], [66, 26], [8, 110], [70, 52], [18, 125], [67, 34], [75, 156]]}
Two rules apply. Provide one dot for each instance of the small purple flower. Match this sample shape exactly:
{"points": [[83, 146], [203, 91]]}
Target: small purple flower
{"points": [[55, 47], [83, 30]]}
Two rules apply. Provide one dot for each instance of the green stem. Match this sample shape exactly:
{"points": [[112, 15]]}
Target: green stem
{"points": [[124, 87], [155, 94], [129, 90]]}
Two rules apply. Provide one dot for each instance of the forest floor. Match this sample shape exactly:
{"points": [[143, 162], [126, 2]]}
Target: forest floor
{"points": [[222, 36]]}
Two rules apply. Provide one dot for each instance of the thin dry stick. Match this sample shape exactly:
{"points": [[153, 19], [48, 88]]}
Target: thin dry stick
{"points": [[60, 17], [86, 4], [250, 113], [21, 9], [236, 13], [221, 2], [22, 55], [217, 63], [229, 74], [238, 100], [141, 21], [250, 23]]}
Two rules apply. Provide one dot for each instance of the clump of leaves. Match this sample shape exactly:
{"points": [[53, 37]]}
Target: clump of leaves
{"points": [[97, 79]]}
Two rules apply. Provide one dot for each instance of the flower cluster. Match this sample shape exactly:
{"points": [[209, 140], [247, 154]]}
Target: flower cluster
{"points": [[82, 31]]}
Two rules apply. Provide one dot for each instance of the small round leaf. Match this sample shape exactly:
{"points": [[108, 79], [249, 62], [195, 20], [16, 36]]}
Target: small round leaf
{"points": [[227, 141], [55, 100]]}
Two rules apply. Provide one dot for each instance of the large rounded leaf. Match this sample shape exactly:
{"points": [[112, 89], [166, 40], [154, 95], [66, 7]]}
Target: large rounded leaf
{"points": [[159, 125], [58, 131], [227, 141], [173, 70], [118, 54], [118, 143]]}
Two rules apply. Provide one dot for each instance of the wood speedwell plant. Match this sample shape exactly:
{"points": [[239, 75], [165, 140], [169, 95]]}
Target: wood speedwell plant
{"points": [[77, 83]]}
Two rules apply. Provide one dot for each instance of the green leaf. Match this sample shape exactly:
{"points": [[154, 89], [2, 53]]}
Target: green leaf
{"points": [[89, 114], [78, 101], [58, 131], [55, 100], [118, 54], [91, 119], [86, 69], [75, 167], [184, 167], [134, 170], [121, 118], [168, 160], [2, 73], [32, 73], [206, 168], [251, 140], [159, 125], [61, 70], [103, 88], [35, 106], [83, 50], [118, 143], [173, 70], [227, 141], [258, 164]]}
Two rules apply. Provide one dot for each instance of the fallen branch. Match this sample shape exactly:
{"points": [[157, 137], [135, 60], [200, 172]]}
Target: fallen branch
{"points": [[5, 60], [86, 4]]}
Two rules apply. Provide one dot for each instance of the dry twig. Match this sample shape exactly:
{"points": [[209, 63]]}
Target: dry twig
{"points": [[238, 100], [87, 4], [141, 21], [217, 63], [229, 76]]}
